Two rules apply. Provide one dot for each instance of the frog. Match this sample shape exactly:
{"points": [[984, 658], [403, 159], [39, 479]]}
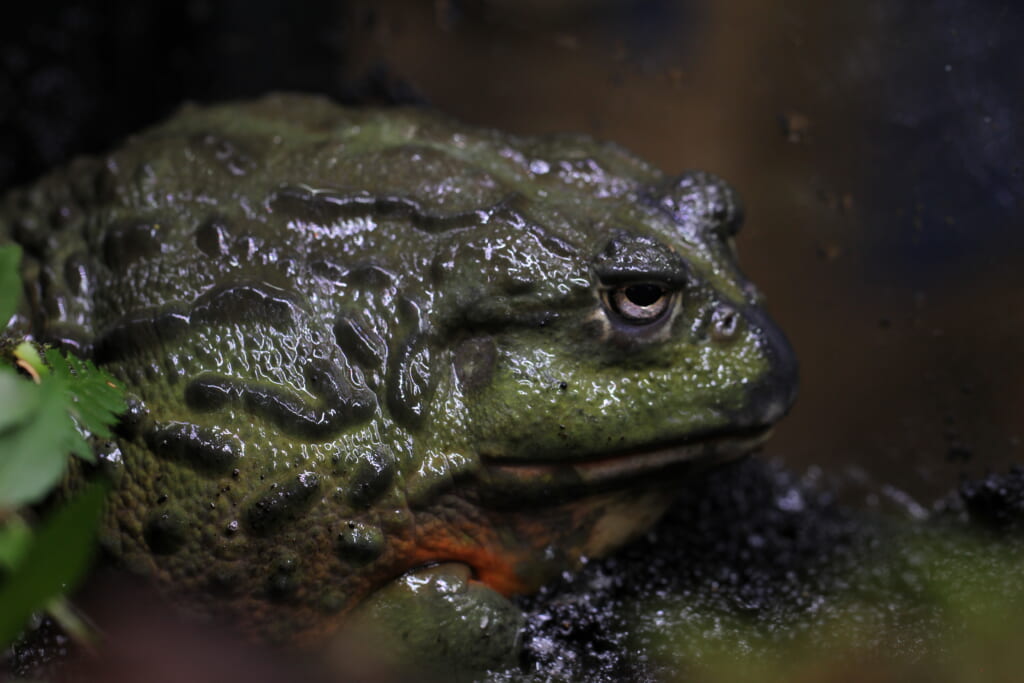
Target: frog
{"points": [[387, 369]]}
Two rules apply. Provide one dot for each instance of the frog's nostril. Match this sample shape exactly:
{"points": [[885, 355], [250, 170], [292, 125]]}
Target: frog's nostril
{"points": [[725, 323]]}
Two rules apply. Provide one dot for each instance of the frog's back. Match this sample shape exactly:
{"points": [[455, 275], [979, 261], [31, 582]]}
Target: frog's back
{"points": [[238, 192]]}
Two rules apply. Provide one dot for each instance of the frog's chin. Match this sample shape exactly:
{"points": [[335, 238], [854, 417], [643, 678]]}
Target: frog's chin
{"points": [[558, 480]]}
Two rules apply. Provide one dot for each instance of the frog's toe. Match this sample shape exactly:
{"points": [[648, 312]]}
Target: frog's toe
{"points": [[439, 619]]}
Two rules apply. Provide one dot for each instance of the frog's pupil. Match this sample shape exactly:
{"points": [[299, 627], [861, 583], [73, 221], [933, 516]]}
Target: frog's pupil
{"points": [[643, 295]]}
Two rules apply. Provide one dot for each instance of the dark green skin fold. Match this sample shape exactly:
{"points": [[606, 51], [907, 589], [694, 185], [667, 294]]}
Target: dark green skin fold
{"points": [[359, 343]]}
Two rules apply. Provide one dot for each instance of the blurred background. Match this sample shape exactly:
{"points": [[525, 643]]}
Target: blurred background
{"points": [[877, 145]]}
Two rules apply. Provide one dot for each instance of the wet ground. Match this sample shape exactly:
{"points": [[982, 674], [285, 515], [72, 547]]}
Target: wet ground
{"points": [[759, 575]]}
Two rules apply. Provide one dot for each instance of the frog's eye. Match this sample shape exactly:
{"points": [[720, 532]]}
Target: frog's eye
{"points": [[638, 303]]}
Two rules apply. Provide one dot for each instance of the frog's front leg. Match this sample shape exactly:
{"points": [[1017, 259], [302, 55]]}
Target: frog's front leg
{"points": [[439, 619]]}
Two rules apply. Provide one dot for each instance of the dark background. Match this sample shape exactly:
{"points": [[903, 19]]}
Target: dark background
{"points": [[877, 145]]}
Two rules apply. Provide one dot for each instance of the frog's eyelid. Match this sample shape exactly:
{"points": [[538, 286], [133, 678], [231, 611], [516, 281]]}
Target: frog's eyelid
{"points": [[630, 258], [669, 279]]}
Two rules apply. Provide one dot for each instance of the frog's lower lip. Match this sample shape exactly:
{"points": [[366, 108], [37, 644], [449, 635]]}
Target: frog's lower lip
{"points": [[616, 469]]}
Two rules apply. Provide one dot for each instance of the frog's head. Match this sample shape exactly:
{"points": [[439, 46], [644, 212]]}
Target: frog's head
{"points": [[619, 345]]}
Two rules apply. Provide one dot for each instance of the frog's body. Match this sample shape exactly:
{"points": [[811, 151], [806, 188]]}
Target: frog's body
{"points": [[362, 342]]}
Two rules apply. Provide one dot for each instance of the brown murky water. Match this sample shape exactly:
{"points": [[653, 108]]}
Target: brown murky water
{"points": [[877, 146], [848, 128]]}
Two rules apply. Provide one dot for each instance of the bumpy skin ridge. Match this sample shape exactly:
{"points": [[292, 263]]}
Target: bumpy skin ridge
{"points": [[330, 321]]}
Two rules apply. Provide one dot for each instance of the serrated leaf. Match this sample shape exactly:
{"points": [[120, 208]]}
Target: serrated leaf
{"points": [[33, 451], [10, 282], [94, 398], [57, 557]]}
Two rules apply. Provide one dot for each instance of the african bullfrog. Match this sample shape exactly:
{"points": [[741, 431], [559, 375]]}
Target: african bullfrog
{"points": [[368, 351]]}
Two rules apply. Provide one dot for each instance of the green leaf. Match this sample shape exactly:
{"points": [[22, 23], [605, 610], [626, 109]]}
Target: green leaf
{"points": [[10, 282], [64, 613], [56, 559], [94, 398], [33, 449], [27, 352], [15, 537], [38, 424], [15, 405]]}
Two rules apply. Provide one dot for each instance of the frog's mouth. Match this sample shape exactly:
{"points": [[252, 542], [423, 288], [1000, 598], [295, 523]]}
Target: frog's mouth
{"points": [[503, 476]]}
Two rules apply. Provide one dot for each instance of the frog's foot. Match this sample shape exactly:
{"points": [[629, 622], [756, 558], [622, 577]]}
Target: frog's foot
{"points": [[439, 619]]}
